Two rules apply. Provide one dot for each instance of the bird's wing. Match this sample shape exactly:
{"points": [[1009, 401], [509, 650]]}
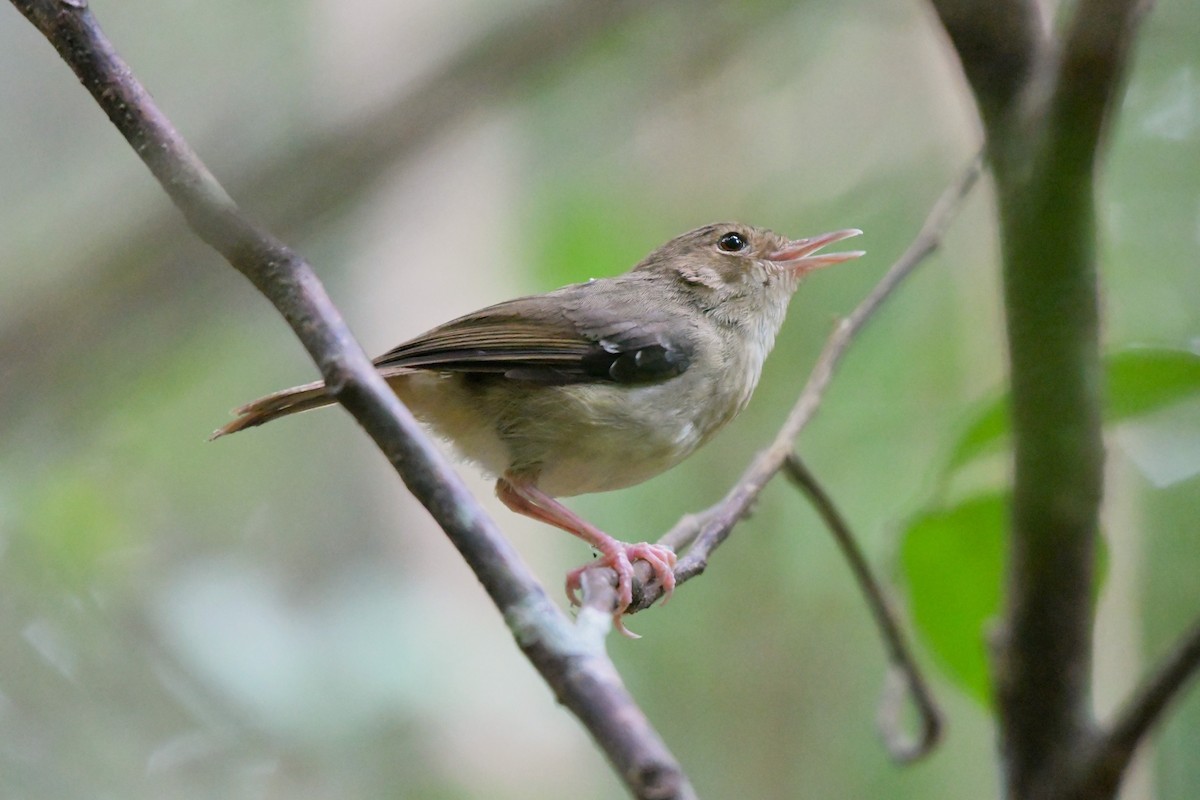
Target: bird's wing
{"points": [[567, 336]]}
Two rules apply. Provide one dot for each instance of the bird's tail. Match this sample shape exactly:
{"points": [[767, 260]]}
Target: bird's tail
{"points": [[273, 406]]}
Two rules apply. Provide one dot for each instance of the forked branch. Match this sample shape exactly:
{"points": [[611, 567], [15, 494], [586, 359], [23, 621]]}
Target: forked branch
{"points": [[701, 533]]}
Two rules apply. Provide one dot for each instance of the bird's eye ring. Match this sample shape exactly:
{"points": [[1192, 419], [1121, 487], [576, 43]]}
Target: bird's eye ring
{"points": [[731, 242]]}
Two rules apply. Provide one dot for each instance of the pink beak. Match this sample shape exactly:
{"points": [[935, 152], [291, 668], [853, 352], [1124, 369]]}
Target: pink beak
{"points": [[801, 256]]}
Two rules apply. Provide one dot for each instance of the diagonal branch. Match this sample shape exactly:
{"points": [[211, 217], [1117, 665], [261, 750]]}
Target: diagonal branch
{"points": [[570, 657], [708, 529], [704, 531], [1113, 749]]}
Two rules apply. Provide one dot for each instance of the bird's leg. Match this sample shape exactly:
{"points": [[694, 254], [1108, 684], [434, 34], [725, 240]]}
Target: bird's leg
{"points": [[524, 497]]}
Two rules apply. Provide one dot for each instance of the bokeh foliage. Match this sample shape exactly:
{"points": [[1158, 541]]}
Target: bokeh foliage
{"points": [[271, 616]]}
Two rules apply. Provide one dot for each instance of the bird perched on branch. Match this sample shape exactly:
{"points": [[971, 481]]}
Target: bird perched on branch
{"points": [[598, 385]]}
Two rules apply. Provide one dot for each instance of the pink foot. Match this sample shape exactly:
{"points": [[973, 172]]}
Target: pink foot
{"points": [[661, 559], [521, 494]]}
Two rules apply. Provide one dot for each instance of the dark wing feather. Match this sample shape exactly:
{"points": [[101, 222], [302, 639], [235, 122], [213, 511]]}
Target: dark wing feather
{"points": [[562, 337]]}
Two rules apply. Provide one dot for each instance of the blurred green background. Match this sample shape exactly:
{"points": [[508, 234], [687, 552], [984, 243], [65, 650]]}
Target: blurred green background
{"points": [[272, 616]]}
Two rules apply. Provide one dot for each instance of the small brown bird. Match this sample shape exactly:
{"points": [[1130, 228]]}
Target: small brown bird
{"points": [[598, 385]]}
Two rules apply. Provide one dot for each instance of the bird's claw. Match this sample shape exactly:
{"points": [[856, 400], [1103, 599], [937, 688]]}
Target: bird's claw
{"points": [[620, 559]]}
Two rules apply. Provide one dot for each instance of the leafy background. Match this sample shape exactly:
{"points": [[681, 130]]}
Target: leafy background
{"points": [[272, 616]]}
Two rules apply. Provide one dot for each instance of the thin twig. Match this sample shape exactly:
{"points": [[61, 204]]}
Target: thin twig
{"points": [[1114, 747], [904, 674], [706, 530], [569, 656], [720, 519], [703, 532]]}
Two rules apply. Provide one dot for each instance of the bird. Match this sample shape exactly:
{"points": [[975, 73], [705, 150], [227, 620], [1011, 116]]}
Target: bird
{"points": [[599, 385]]}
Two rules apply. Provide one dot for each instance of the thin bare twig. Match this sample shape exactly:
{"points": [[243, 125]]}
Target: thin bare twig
{"points": [[569, 656], [1114, 747], [720, 519], [904, 675], [704, 531]]}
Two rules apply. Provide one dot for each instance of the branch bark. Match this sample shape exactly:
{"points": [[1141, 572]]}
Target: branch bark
{"points": [[570, 657], [1000, 46], [1044, 129]]}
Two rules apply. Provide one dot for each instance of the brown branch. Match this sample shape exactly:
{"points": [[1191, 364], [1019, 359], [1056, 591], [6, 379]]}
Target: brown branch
{"points": [[570, 657], [1001, 45], [1091, 69], [299, 188], [904, 676]]}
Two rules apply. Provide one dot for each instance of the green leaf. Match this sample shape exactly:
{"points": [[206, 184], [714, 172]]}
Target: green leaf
{"points": [[953, 565], [1137, 381], [1147, 379], [988, 428], [953, 561]]}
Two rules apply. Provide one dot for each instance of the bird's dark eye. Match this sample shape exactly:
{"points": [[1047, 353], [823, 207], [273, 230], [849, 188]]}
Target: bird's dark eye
{"points": [[731, 242]]}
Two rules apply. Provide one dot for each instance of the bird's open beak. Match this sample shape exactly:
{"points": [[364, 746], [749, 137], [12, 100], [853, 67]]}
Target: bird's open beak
{"points": [[801, 255]]}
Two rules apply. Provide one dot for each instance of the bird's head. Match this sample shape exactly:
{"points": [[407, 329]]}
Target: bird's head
{"points": [[743, 275]]}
